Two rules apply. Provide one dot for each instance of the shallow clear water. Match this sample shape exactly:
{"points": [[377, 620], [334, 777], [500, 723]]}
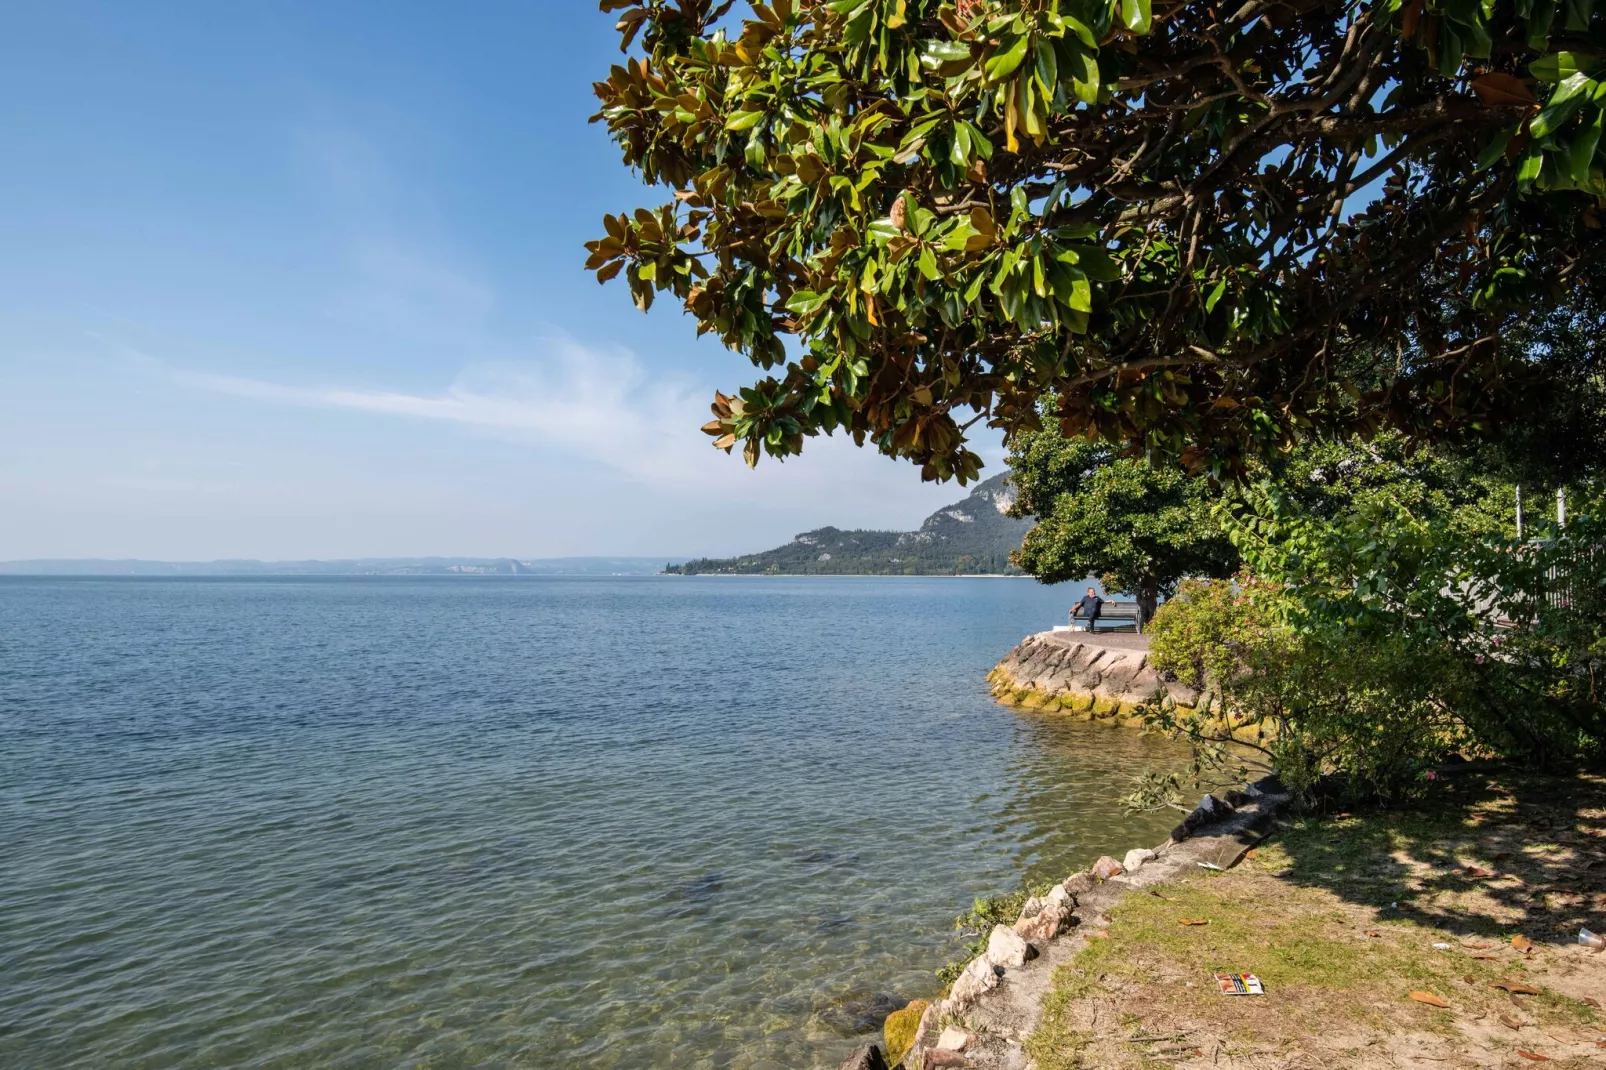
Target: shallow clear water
{"points": [[591, 823]]}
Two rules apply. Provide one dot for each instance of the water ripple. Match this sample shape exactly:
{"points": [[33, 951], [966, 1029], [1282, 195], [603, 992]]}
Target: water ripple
{"points": [[595, 823]]}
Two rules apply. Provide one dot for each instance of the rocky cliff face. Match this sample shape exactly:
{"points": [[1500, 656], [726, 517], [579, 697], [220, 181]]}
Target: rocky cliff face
{"points": [[1097, 676]]}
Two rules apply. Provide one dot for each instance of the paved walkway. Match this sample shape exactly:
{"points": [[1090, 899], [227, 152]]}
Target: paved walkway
{"points": [[1113, 640]]}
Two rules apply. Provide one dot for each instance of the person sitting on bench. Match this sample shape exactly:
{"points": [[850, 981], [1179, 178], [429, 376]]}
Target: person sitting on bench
{"points": [[1089, 608]]}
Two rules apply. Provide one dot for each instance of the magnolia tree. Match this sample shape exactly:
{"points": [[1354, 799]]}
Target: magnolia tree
{"points": [[1205, 229]]}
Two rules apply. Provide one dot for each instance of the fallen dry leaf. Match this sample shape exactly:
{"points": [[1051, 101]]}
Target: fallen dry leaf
{"points": [[1590, 1001], [1478, 872], [1509, 1022], [1522, 943], [1516, 988], [1193, 921], [1374, 934], [1533, 1056], [1430, 999], [1486, 958]]}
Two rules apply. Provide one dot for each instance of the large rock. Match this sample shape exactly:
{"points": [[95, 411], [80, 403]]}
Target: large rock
{"points": [[1043, 926], [1006, 947], [1107, 867], [1136, 857], [868, 1057], [902, 1029], [979, 977]]}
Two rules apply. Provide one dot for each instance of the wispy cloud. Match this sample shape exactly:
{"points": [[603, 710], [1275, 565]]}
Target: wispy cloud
{"points": [[599, 404]]}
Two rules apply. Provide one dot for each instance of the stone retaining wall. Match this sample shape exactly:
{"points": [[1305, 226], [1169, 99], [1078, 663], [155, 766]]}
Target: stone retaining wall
{"points": [[1074, 672]]}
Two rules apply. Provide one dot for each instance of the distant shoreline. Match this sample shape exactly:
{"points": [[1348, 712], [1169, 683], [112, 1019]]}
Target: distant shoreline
{"points": [[847, 575]]}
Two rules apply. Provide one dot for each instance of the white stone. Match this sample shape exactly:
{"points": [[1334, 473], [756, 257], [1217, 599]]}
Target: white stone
{"points": [[1136, 857], [1059, 897], [1007, 948], [979, 977], [953, 1038]]}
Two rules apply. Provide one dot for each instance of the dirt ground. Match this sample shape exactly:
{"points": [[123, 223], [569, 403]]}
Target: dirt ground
{"points": [[1359, 926]]}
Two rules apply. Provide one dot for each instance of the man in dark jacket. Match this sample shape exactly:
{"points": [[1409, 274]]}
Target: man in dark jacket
{"points": [[1089, 608]]}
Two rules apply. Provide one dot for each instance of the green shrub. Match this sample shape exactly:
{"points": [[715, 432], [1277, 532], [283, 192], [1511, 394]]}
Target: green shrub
{"points": [[1372, 706]]}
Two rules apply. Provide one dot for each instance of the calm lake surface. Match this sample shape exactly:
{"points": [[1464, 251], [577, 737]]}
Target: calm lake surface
{"points": [[616, 822]]}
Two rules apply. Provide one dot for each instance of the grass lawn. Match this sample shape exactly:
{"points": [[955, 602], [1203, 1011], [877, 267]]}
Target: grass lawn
{"points": [[1338, 916]]}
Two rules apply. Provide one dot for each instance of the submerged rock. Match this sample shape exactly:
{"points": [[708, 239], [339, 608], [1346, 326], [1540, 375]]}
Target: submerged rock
{"points": [[868, 1057], [856, 1013]]}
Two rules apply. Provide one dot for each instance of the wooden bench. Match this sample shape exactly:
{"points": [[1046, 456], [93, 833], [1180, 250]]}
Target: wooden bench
{"points": [[1119, 614]]}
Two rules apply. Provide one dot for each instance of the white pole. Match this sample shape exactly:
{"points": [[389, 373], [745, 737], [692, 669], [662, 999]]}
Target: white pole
{"points": [[1519, 513], [1561, 508]]}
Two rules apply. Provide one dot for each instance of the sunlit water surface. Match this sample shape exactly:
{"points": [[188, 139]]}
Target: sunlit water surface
{"points": [[586, 823]]}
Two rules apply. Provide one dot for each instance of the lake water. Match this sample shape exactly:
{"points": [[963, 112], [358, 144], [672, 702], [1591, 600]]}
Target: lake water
{"points": [[623, 822]]}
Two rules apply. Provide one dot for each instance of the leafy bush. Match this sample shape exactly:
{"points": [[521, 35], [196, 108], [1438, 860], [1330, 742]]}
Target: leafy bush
{"points": [[1303, 700], [1375, 638]]}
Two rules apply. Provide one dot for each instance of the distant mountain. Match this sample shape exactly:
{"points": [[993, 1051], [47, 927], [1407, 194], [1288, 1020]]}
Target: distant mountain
{"points": [[972, 537], [368, 566]]}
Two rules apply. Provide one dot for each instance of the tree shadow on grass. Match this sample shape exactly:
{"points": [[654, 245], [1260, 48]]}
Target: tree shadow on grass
{"points": [[1486, 854]]}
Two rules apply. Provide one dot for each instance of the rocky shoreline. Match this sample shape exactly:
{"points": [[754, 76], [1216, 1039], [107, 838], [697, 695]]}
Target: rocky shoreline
{"points": [[987, 1014]]}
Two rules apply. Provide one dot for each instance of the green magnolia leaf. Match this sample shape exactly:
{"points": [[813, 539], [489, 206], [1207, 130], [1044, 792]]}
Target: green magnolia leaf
{"points": [[1496, 149], [1568, 98], [1007, 59], [1047, 66], [1581, 153], [1560, 66], [805, 301], [940, 52], [1136, 15], [1084, 71]]}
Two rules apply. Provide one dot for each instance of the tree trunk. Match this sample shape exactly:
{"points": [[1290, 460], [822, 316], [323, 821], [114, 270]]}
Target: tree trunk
{"points": [[1148, 598]]}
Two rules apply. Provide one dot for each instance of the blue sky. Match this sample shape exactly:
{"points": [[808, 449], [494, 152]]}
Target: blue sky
{"points": [[303, 280]]}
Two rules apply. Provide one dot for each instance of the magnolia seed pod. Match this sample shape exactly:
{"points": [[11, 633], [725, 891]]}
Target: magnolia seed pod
{"points": [[900, 212]]}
